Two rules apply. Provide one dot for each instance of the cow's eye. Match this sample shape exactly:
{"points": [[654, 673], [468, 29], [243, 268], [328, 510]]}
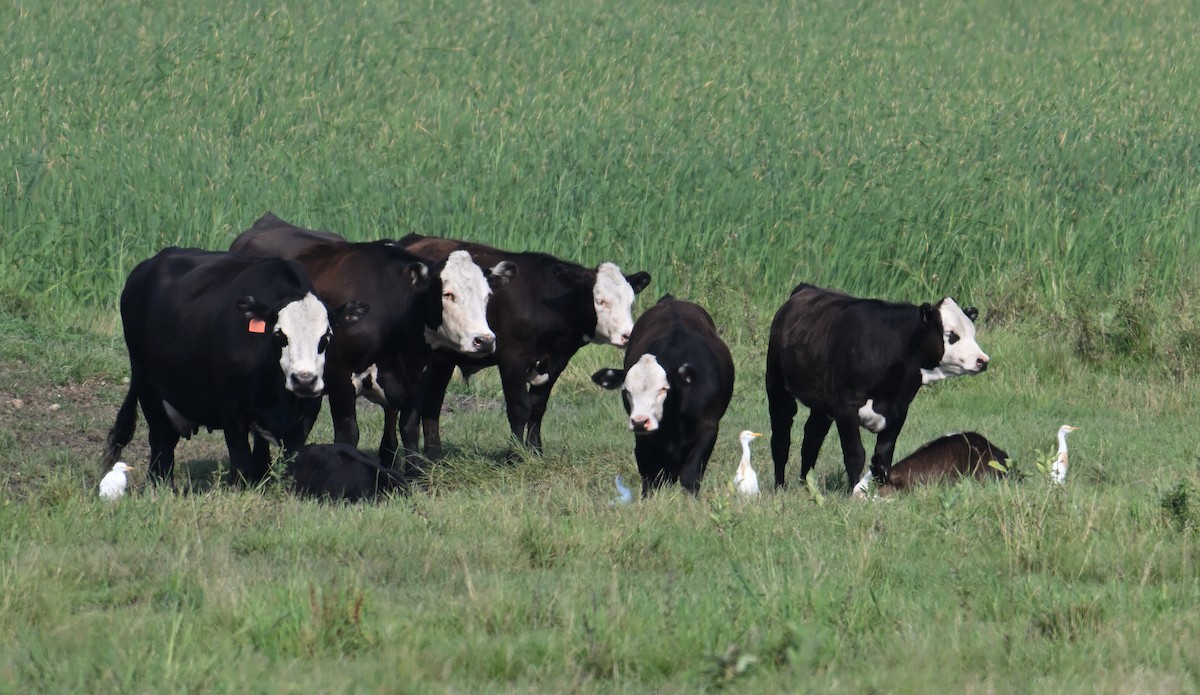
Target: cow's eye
{"points": [[602, 303], [324, 343], [448, 296], [281, 338], [951, 337]]}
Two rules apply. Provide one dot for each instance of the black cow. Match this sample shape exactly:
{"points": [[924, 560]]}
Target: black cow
{"points": [[944, 460], [342, 472], [676, 385], [223, 342], [550, 310], [418, 305], [858, 362]]}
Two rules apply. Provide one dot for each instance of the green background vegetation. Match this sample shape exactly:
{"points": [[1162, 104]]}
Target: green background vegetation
{"points": [[1037, 160]]}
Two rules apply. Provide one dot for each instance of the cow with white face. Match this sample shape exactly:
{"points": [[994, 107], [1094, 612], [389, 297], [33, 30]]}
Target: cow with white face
{"points": [[547, 313], [224, 342], [676, 385], [612, 296], [855, 363], [961, 355], [420, 307], [303, 330], [644, 392], [465, 294]]}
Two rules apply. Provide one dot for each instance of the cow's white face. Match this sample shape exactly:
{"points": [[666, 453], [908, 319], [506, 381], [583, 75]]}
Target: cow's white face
{"points": [[465, 293], [962, 354], [613, 297], [645, 390], [302, 329]]}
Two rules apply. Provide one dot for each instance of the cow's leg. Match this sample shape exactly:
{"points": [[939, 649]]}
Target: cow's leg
{"points": [[297, 436], [342, 402], [649, 464], [389, 452], [885, 447], [782, 407], [260, 459], [241, 459], [516, 398], [539, 397], [163, 438], [853, 452], [694, 464], [431, 395], [816, 427]]}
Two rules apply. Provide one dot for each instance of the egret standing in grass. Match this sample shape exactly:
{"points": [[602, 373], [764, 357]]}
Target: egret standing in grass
{"points": [[1058, 469], [113, 485], [746, 480]]}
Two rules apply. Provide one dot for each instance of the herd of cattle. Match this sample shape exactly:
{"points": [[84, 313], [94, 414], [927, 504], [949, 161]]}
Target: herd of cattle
{"points": [[248, 341]]}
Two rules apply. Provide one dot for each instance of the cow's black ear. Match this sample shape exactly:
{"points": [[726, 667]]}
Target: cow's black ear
{"points": [[609, 378], [349, 313], [501, 274], [971, 312], [252, 308], [928, 313], [638, 281], [418, 274], [571, 274], [687, 372]]}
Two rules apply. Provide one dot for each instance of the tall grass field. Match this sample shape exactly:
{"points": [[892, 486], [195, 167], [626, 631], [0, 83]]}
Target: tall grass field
{"points": [[1040, 161]]}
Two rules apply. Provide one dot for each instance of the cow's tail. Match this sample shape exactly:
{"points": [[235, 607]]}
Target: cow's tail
{"points": [[122, 429]]}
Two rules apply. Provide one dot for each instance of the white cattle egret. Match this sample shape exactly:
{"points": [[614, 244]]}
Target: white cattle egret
{"points": [[746, 480], [112, 486], [624, 495], [1058, 470]]}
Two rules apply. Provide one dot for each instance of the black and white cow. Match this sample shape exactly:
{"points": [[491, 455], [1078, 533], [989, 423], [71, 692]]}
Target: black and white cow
{"points": [[342, 472], [676, 386], [419, 307], [224, 342], [550, 310], [858, 363]]}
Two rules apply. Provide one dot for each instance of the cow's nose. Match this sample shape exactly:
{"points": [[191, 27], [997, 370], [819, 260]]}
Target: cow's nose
{"points": [[304, 382], [639, 423], [981, 364], [624, 339], [485, 343]]}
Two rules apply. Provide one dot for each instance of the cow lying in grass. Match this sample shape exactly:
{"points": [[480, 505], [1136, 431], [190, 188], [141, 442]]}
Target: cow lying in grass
{"points": [[342, 472], [945, 460]]}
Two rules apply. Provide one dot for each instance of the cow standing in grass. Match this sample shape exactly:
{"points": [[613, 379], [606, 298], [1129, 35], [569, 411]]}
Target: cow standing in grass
{"points": [[223, 342], [542, 318], [676, 385], [420, 307], [858, 363]]}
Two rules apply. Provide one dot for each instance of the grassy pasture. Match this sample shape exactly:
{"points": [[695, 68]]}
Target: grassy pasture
{"points": [[1038, 161]]}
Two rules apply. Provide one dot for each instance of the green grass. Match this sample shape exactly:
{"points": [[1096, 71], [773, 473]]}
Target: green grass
{"points": [[1037, 161]]}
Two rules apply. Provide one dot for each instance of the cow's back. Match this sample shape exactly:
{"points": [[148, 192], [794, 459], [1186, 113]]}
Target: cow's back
{"points": [[275, 237], [948, 458]]}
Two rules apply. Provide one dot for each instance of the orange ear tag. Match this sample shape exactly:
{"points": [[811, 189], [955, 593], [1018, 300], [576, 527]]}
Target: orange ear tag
{"points": [[258, 326]]}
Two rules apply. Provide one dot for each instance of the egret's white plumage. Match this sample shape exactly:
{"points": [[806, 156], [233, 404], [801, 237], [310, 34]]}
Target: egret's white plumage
{"points": [[113, 485], [624, 495], [746, 480], [1058, 469]]}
